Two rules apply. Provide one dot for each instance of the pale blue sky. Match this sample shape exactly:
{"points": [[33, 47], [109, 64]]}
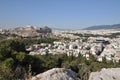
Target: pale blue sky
{"points": [[66, 14]]}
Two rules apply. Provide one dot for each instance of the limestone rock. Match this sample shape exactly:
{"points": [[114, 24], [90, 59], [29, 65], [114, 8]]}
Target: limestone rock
{"points": [[56, 74], [106, 74]]}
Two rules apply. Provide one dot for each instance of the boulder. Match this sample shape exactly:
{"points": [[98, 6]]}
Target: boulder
{"points": [[56, 74], [106, 74]]}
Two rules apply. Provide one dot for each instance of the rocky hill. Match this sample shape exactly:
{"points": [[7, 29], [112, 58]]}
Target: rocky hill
{"points": [[56, 74], [106, 74], [31, 31], [114, 26]]}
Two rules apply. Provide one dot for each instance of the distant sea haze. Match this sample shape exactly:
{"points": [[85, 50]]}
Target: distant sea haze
{"points": [[96, 27]]}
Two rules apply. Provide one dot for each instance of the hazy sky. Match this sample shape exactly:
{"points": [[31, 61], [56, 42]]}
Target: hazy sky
{"points": [[70, 14]]}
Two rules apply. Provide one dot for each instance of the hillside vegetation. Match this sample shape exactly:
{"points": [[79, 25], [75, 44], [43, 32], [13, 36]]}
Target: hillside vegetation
{"points": [[15, 63]]}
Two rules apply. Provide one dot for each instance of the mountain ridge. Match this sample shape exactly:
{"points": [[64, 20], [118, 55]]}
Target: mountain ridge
{"points": [[98, 27]]}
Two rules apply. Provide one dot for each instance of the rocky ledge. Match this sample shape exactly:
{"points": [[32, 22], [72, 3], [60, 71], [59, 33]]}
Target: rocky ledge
{"points": [[106, 74], [56, 74]]}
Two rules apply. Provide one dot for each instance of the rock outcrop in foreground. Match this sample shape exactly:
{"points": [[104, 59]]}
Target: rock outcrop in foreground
{"points": [[106, 74], [56, 74]]}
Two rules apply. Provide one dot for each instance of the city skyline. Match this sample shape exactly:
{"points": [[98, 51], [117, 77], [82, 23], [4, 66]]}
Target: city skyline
{"points": [[64, 14]]}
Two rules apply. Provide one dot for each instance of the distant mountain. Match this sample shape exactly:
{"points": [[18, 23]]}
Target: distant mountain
{"points": [[114, 26]]}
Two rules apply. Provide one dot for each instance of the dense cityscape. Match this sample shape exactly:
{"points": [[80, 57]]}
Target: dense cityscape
{"points": [[82, 51], [59, 40]]}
